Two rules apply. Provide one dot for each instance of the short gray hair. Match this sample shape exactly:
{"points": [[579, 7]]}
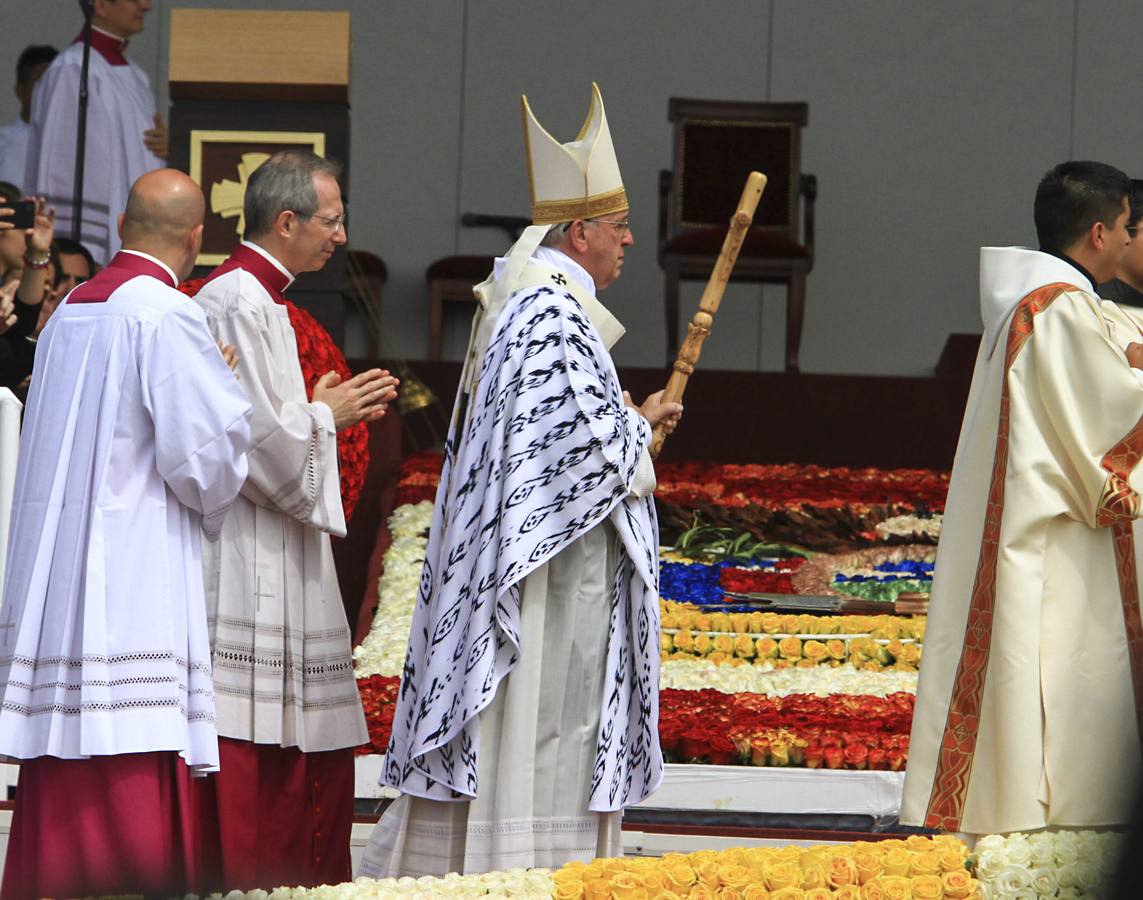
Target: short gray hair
{"points": [[555, 235], [284, 182]]}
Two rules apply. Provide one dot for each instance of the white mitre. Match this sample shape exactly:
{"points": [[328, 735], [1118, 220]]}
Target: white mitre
{"points": [[576, 180]]}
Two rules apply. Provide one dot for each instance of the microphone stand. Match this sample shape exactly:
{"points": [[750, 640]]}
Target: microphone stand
{"points": [[81, 125]]}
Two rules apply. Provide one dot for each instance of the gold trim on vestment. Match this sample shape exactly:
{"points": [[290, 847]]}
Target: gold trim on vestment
{"points": [[552, 212]]}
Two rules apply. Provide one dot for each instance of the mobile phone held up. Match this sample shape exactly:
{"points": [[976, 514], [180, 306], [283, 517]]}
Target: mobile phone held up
{"points": [[23, 213]]}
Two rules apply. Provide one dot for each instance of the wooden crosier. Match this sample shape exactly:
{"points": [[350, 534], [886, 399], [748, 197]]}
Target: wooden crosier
{"points": [[699, 328]]}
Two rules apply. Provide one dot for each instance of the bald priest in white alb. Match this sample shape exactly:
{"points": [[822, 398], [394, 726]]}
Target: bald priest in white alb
{"points": [[133, 447]]}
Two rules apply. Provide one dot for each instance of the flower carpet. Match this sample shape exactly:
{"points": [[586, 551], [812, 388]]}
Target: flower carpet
{"points": [[1063, 864], [769, 689]]}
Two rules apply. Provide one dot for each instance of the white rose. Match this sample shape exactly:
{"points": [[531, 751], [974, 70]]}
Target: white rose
{"points": [[1043, 848], [1069, 894], [1019, 853], [1066, 876], [990, 863], [1088, 877], [1012, 880], [1044, 881], [990, 842], [1067, 847]]}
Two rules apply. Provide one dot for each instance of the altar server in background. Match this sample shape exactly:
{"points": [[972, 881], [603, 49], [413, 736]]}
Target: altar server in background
{"points": [[289, 713], [133, 447], [125, 136], [528, 713], [1028, 706]]}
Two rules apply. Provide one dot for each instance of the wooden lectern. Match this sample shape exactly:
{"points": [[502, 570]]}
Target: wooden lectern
{"points": [[245, 84]]}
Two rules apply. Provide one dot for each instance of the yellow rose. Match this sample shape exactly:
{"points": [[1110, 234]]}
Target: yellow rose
{"points": [[754, 621], [783, 664], [918, 843], [897, 861], [596, 889], [873, 890], [847, 892], [766, 648], [728, 893], [807, 624], [927, 887], [679, 877], [627, 885], [719, 621], [568, 890], [744, 646], [842, 870], [723, 643], [701, 892], [701, 643], [813, 874], [927, 862], [805, 664], [779, 753], [788, 893], [781, 874], [790, 648], [818, 893], [868, 866], [756, 892], [734, 876], [718, 657], [911, 654], [958, 884], [702, 622], [897, 887], [707, 872], [697, 857], [739, 623], [835, 648], [684, 640]]}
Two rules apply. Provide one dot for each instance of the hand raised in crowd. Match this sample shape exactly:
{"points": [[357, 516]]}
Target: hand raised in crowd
{"points": [[655, 411], [7, 306], [40, 235], [363, 398], [157, 139], [6, 211]]}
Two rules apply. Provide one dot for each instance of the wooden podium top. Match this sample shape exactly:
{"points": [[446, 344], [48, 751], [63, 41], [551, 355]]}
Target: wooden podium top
{"points": [[259, 55]]}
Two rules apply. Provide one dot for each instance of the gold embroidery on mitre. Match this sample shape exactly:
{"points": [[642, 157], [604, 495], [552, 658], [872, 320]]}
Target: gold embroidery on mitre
{"points": [[551, 212], [576, 180]]}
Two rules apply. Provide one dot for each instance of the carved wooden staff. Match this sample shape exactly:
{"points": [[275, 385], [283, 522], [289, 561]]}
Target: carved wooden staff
{"points": [[699, 327]]}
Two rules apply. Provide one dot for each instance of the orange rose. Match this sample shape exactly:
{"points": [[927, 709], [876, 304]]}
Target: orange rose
{"points": [[896, 887], [842, 870], [766, 648], [790, 648], [868, 866], [958, 884], [927, 887]]}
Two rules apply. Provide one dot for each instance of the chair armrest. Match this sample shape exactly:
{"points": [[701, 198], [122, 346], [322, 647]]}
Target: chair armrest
{"points": [[808, 188], [665, 177]]}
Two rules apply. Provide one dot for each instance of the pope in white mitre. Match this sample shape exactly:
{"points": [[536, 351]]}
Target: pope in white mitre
{"points": [[1028, 704], [527, 718]]}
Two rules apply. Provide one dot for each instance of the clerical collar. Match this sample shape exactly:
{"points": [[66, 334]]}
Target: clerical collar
{"points": [[107, 45], [561, 260], [1075, 265], [280, 278], [149, 258]]}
